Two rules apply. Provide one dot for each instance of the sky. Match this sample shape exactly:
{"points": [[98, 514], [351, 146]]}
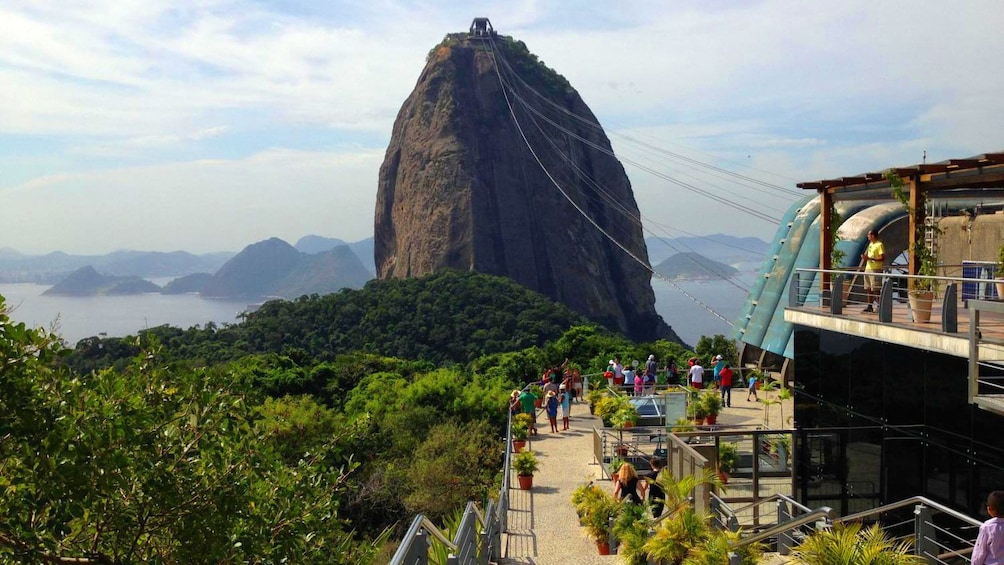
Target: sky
{"points": [[171, 125]]}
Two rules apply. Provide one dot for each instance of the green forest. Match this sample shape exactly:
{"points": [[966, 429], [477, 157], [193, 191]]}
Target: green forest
{"points": [[309, 432]]}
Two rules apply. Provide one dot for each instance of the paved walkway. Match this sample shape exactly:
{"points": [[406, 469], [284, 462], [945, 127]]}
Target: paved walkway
{"points": [[543, 526]]}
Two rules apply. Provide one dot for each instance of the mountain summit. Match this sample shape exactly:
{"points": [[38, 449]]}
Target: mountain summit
{"points": [[459, 188]]}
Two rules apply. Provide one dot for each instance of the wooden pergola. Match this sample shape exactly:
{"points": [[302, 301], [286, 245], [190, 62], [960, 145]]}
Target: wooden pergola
{"points": [[954, 178]]}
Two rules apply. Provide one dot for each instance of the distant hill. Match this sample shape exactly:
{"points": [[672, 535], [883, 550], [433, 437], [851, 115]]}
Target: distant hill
{"points": [[187, 284], [276, 268], [86, 281], [718, 247], [363, 249], [55, 266], [694, 266], [311, 244]]}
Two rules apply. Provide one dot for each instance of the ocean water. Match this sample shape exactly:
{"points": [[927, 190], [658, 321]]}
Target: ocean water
{"points": [[78, 317]]}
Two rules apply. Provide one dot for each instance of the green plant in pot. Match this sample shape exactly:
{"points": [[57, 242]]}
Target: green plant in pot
{"points": [[626, 417], [583, 496], [525, 464], [922, 291], [609, 405], [631, 530], [700, 413], [728, 460], [520, 431], [712, 402], [537, 391], [683, 425], [597, 520]]}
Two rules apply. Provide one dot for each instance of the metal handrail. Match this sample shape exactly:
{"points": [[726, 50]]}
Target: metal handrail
{"points": [[908, 502], [821, 512], [419, 524], [894, 275], [772, 498]]}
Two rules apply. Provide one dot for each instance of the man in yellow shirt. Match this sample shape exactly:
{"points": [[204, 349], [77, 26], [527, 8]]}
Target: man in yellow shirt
{"points": [[874, 257]]}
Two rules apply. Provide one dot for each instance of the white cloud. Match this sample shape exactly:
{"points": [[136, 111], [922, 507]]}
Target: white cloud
{"points": [[197, 206]]}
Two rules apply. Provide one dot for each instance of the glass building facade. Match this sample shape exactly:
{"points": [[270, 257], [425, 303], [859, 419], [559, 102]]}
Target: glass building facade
{"points": [[880, 422]]}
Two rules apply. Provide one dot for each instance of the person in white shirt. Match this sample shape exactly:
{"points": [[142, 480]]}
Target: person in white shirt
{"points": [[989, 549], [697, 375]]}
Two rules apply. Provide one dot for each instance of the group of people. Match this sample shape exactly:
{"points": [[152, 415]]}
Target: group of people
{"points": [[561, 387], [723, 377], [632, 379], [630, 487]]}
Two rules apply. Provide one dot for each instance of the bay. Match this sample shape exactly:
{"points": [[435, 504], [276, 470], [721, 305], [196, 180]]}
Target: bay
{"points": [[78, 317]]}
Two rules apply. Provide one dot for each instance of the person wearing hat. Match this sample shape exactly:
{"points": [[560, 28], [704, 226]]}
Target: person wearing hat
{"points": [[565, 400], [719, 365], [551, 405]]}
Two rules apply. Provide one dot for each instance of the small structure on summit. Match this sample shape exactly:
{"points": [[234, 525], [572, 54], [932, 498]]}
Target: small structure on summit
{"points": [[482, 27]]}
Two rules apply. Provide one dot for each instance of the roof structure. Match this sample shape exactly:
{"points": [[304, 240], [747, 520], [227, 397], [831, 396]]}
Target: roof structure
{"points": [[981, 171]]}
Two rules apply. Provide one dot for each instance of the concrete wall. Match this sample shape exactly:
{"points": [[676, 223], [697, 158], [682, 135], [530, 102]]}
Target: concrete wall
{"points": [[957, 243]]}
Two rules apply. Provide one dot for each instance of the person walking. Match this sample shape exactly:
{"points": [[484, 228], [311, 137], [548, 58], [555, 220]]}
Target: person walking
{"points": [[527, 400], [725, 381], [989, 549], [565, 400], [618, 373], [551, 405], [627, 484], [874, 258], [656, 496], [629, 378], [751, 384]]}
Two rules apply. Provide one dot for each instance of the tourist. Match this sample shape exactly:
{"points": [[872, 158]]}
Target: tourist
{"points": [[874, 258], [576, 385], [609, 373], [656, 496], [649, 380], [550, 386], [514, 406], [989, 549], [618, 373], [629, 378], [651, 366], [551, 405], [751, 384], [565, 400], [674, 373], [627, 484], [725, 381], [719, 365], [696, 375], [526, 401]]}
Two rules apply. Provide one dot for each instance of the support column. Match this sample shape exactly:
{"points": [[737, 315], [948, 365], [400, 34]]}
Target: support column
{"points": [[825, 241], [917, 215]]}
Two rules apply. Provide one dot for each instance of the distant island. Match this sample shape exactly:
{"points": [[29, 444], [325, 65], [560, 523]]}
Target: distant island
{"points": [[86, 281], [693, 266], [720, 247]]}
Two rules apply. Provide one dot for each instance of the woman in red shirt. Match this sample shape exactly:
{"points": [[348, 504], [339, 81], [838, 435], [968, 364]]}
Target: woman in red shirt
{"points": [[726, 384]]}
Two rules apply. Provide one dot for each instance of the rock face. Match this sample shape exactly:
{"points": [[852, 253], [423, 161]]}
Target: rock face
{"points": [[459, 188]]}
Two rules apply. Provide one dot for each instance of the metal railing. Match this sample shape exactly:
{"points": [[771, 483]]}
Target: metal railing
{"points": [[478, 540], [985, 390], [939, 533], [949, 294]]}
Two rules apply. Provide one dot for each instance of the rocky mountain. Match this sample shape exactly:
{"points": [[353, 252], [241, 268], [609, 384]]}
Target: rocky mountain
{"points": [[459, 187], [694, 266], [275, 268], [86, 281]]}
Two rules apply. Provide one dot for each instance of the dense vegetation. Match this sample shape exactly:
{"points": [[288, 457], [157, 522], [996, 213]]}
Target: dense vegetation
{"points": [[306, 433]]}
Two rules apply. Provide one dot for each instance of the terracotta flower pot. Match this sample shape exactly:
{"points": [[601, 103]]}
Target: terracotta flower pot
{"points": [[724, 477], [603, 548], [518, 445], [621, 450], [525, 482], [712, 419]]}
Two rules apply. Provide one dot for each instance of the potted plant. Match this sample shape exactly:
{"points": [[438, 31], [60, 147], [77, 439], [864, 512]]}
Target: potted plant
{"points": [[609, 405], [854, 539], [1000, 271], [614, 466], [683, 425], [520, 431], [921, 295], [625, 417], [593, 396], [537, 391], [583, 496], [728, 460], [712, 402], [700, 413], [631, 531], [525, 463], [596, 521]]}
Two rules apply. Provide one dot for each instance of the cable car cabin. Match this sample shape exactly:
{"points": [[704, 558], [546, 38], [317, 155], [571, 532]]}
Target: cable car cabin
{"points": [[482, 27]]}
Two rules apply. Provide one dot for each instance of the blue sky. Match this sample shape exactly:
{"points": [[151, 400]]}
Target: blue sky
{"points": [[206, 126]]}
